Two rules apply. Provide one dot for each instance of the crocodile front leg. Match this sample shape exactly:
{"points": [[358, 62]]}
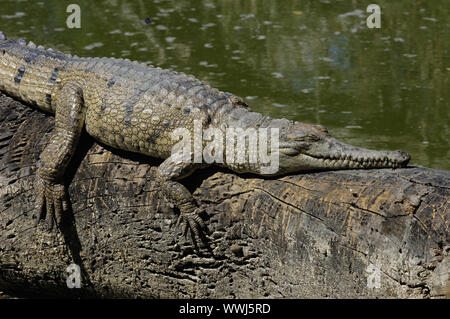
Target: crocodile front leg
{"points": [[69, 121], [168, 172]]}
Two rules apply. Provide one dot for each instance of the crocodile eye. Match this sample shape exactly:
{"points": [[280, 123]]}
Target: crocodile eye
{"points": [[321, 128], [300, 136], [313, 137]]}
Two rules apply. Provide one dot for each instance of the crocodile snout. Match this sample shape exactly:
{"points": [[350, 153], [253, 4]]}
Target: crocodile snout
{"points": [[403, 157]]}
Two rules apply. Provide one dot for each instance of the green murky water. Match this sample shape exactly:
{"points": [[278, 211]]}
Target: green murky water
{"points": [[312, 61]]}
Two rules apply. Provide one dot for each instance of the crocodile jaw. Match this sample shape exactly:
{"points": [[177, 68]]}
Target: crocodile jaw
{"points": [[349, 162], [331, 154]]}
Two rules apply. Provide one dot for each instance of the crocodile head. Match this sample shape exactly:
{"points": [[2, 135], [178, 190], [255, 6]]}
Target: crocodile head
{"points": [[305, 147]]}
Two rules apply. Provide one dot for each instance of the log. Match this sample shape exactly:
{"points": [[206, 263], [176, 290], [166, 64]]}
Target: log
{"points": [[339, 234]]}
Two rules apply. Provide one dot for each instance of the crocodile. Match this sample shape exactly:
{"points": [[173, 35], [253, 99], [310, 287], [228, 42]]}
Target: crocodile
{"points": [[135, 107]]}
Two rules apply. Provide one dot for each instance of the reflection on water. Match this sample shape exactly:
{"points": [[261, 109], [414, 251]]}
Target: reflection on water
{"points": [[313, 61]]}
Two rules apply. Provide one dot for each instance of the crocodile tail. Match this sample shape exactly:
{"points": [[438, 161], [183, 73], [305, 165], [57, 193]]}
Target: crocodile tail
{"points": [[29, 72]]}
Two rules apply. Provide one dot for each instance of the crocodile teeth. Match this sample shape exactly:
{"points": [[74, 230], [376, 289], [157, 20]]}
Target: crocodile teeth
{"points": [[31, 45], [21, 41]]}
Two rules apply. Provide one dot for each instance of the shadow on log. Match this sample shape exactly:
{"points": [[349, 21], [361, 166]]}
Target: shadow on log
{"points": [[342, 234]]}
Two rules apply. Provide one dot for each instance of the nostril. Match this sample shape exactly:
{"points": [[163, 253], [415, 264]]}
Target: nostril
{"points": [[406, 157]]}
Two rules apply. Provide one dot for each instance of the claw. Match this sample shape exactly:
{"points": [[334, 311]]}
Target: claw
{"points": [[199, 221], [49, 215], [58, 210], [193, 227], [40, 201], [185, 228], [180, 218], [53, 197], [194, 224]]}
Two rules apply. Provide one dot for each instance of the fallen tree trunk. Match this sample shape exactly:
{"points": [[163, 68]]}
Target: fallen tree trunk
{"points": [[355, 233]]}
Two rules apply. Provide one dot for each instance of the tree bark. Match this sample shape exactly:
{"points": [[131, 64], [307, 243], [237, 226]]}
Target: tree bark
{"points": [[340, 234]]}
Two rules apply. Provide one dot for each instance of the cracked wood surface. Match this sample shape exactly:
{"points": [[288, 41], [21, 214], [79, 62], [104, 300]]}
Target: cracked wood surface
{"points": [[324, 234]]}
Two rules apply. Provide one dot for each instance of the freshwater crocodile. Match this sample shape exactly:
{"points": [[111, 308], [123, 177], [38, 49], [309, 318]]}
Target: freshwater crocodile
{"points": [[134, 107]]}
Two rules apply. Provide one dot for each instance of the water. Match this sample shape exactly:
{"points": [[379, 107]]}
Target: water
{"points": [[311, 61]]}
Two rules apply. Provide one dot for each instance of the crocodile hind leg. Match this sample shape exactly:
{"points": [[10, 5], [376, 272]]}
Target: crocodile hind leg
{"points": [[69, 121], [172, 169]]}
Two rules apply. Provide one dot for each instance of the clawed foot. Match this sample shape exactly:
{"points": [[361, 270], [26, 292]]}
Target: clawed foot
{"points": [[193, 223], [52, 196]]}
